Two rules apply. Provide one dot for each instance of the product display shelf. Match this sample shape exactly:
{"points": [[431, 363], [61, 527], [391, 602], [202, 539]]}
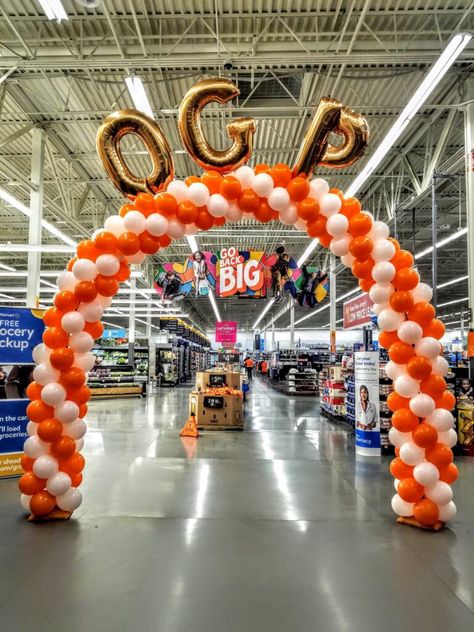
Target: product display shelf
{"points": [[167, 366], [302, 382], [115, 381], [349, 380]]}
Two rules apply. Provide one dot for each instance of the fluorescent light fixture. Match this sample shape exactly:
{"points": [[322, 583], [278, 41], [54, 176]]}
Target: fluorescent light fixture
{"points": [[441, 243], [8, 297], [57, 233], [212, 298], [452, 282], [270, 303], [309, 249], [458, 300], [447, 58], [192, 243], [4, 266], [55, 287], [139, 97], [54, 10], [59, 249]]}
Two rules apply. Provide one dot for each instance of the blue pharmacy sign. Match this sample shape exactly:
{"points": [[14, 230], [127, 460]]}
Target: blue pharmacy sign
{"points": [[21, 329]]}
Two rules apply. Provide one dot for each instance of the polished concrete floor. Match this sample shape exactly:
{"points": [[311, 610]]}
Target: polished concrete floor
{"points": [[279, 528]]}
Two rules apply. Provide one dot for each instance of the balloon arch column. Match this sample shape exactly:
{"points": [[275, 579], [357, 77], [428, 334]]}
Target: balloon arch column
{"points": [[163, 209]]}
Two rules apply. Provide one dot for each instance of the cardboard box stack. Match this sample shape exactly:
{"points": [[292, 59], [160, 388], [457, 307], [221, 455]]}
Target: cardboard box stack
{"points": [[217, 400]]}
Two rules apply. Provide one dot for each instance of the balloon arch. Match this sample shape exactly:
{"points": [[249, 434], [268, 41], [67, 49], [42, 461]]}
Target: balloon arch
{"points": [[163, 209]]}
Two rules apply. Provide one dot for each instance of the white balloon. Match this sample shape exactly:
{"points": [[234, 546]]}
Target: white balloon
{"points": [[108, 265], [339, 246], [348, 260], [279, 199], [31, 429], [329, 204], [411, 454], [337, 225], [92, 312], [69, 501], [289, 215], [41, 353], [440, 366], [218, 206], [234, 214], [139, 256], [447, 512], [426, 473], [402, 507], [377, 308], [79, 444], [379, 230], [115, 225], [440, 493], [25, 501], [381, 293], [406, 386], [422, 405], [191, 229], [76, 429], [34, 447], [45, 466], [44, 374], [262, 184], [410, 332], [441, 419], [84, 270], [383, 272], [178, 189], [301, 224], [156, 224], [398, 438], [105, 301], [66, 281], [73, 322], [67, 411], [389, 320], [244, 175], [317, 188], [58, 483], [383, 250], [396, 483], [428, 347], [134, 222], [82, 342], [422, 292], [53, 393], [394, 370], [198, 193], [450, 437]]}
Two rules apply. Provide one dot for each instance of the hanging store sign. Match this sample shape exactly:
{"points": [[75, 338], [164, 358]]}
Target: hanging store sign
{"points": [[357, 311], [226, 332], [241, 272]]}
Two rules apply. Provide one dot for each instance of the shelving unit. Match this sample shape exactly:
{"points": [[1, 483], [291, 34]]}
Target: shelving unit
{"points": [[115, 376], [302, 382], [167, 366]]}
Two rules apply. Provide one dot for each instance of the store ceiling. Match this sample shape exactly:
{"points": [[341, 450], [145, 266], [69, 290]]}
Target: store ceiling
{"points": [[370, 55]]}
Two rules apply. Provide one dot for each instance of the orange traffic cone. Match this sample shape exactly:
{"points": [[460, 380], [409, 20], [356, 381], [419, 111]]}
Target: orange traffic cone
{"points": [[190, 428]]}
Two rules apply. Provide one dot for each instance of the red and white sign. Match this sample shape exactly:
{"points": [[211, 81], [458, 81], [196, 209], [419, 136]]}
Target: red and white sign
{"points": [[226, 332], [237, 274], [357, 311]]}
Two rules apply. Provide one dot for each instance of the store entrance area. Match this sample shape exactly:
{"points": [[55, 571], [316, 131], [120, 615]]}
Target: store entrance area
{"points": [[280, 527]]}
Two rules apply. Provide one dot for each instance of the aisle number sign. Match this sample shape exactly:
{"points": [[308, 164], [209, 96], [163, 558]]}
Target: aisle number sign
{"points": [[240, 272]]}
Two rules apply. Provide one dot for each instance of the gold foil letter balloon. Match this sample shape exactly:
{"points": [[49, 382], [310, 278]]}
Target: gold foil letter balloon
{"points": [[117, 125], [332, 117], [240, 130]]}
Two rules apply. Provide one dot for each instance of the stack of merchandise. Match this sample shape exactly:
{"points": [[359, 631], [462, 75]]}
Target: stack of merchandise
{"points": [[302, 382], [334, 394], [217, 400]]}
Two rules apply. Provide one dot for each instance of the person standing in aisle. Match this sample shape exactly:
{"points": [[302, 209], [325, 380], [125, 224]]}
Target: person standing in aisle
{"points": [[249, 364], [264, 368]]}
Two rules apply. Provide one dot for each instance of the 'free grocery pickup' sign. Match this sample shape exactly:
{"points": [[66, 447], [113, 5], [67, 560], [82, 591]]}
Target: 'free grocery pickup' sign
{"points": [[21, 329]]}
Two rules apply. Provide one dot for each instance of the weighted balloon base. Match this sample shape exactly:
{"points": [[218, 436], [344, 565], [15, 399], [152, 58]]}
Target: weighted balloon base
{"points": [[56, 514], [411, 522]]}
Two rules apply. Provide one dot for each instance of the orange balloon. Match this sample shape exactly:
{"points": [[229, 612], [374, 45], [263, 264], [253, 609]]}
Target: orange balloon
{"points": [[55, 337], [298, 188], [191, 180], [63, 448], [325, 240], [401, 301], [30, 484], [230, 187], [419, 368], [434, 385], [425, 436], [317, 226], [50, 430], [402, 259], [410, 490], [72, 378], [124, 272], [395, 243], [350, 207], [33, 391], [26, 463], [79, 395], [360, 224], [219, 221], [87, 249], [422, 313], [435, 329], [447, 401], [366, 284], [106, 242], [165, 241], [187, 212], [38, 411], [94, 329], [396, 401], [62, 358], [76, 479], [126, 208], [426, 512], [249, 201], [52, 317], [337, 192], [399, 469], [107, 286], [85, 291], [361, 247], [148, 243], [165, 204], [145, 203], [448, 474], [82, 411], [73, 465], [387, 338], [212, 179], [264, 213], [397, 452], [281, 174], [404, 420], [66, 301], [204, 220], [42, 504], [363, 269], [308, 209], [401, 352], [440, 455], [129, 243], [406, 279], [262, 168], [70, 263]]}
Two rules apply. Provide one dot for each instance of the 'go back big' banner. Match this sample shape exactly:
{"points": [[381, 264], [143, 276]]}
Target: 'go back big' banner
{"points": [[241, 272]]}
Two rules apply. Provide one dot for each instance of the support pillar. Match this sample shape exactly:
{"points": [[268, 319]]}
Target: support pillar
{"points": [[332, 302], [273, 337], [36, 217], [292, 324], [131, 320], [469, 153]]}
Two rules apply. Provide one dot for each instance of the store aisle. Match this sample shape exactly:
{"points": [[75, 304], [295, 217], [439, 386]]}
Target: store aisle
{"points": [[278, 528]]}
